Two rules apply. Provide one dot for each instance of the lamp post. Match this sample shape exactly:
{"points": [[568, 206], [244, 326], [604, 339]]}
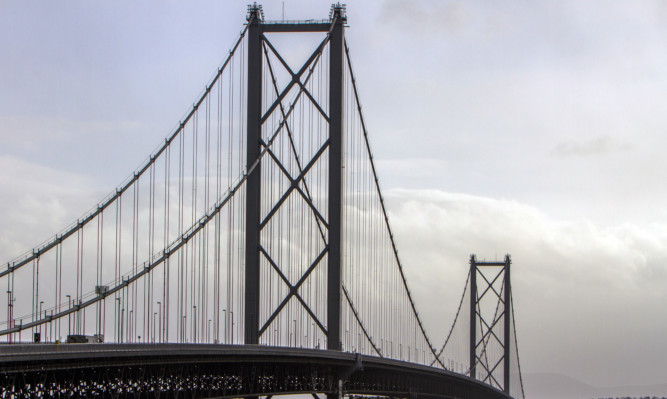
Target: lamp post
{"points": [[159, 304], [224, 317], [194, 323], [10, 313], [118, 321], [314, 333], [80, 329], [39, 316], [294, 332], [122, 320], [51, 325], [9, 308], [69, 316], [183, 328]]}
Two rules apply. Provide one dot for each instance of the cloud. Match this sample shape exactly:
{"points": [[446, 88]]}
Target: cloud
{"points": [[420, 16], [412, 167], [579, 289], [29, 131], [602, 145], [464, 81], [36, 202]]}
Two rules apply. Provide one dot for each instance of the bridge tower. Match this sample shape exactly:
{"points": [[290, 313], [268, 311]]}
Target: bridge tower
{"points": [[257, 120], [489, 307]]}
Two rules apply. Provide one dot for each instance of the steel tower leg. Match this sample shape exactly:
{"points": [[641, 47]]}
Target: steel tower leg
{"points": [[253, 184], [505, 298], [508, 319], [473, 315], [335, 181]]}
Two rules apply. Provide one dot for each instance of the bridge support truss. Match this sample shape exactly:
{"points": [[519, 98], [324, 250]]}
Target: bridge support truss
{"points": [[257, 121], [286, 215], [490, 306], [219, 371]]}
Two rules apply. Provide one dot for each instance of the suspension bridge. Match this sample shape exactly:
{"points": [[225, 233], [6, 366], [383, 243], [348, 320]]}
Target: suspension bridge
{"points": [[250, 255]]}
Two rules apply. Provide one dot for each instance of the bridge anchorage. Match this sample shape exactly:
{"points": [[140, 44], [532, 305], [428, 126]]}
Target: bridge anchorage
{"points": [[250, 255]]}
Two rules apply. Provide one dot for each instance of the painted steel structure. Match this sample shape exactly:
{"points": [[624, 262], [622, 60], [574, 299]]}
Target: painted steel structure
{"points": [[480, 286], [256, 118], [191, 370], [374, 340]]}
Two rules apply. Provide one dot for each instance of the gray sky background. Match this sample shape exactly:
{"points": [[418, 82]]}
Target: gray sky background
{"points": [[530, 128]]}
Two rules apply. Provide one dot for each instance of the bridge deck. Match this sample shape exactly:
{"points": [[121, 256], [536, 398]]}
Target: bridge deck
{"points": [[222, 371]]}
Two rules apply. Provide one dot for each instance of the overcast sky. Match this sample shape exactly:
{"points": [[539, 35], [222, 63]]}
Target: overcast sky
{"points": [[532, 129]]}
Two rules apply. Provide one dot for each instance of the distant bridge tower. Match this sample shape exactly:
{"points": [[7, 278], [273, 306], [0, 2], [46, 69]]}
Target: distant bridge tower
{"points": [[489, 307], [261, 209]]}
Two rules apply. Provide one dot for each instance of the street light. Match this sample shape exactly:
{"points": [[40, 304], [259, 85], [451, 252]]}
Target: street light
{"points": [[10, 313], [9, 308], [294, 332], [231, 313], [159, 304], [194, 323], [314, 333], [69, 315], [224, 316], [51, 325], [183, 328], [130, 324], [118, 321], [122, 320], [39, 316]]}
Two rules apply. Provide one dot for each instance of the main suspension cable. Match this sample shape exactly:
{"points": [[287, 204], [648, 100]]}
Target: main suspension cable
{"points": [[465, 288], [384, 210], [81, 222], [516, 345]]}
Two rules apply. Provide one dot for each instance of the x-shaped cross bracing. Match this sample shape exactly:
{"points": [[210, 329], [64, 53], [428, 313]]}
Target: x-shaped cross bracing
{"points": [[487, 330], [300, 179]]}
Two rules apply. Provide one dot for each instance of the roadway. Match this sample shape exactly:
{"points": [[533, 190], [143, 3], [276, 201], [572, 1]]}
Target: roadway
{"points": [[208, 370]]}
